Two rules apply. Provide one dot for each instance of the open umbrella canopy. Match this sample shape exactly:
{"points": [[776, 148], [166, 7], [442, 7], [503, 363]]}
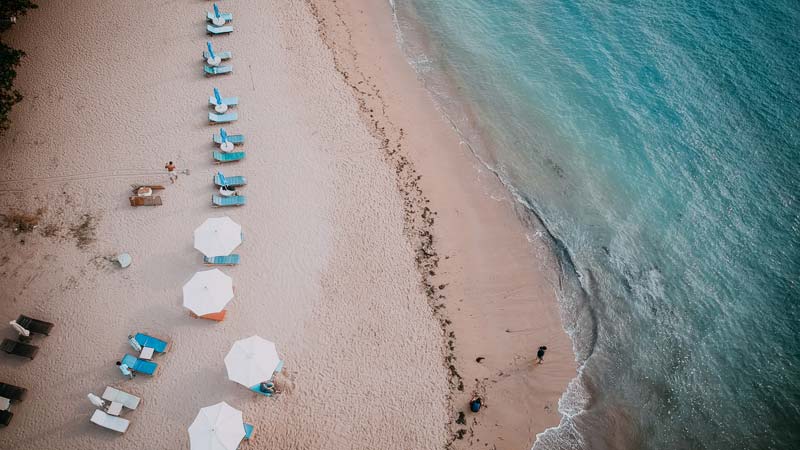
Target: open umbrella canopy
{"points": [[217, 427], [218, 236], [207, 292], [251, 361]]}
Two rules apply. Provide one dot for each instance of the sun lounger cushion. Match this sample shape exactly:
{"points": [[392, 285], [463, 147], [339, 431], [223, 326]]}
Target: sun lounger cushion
{"points": [[145, 201], [34, 325], [234, 200], [115, 395], [219, 70], [222, 118], [149, 341], [221, 55], [228, 157], [229, 260], [11, 392], [140, 365], [18, 348], [117, 424], [211, 29], [228, 101], [222, 180], [232, 138]]}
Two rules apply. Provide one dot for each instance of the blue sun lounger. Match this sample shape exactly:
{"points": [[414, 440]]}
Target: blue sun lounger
{"points": [[248, 431], [140, 365], [228, 101], [221, 157], [211, 29], [219, 70], [236, 139], [233, 200], [222, 55], [222, 118], [257, 388], [156, 344], [229, 260], [227, 17], [222, 180]]}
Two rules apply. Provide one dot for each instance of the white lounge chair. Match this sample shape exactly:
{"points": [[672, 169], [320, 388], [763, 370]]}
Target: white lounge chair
{"points": [[116, 396], [117, 424]]}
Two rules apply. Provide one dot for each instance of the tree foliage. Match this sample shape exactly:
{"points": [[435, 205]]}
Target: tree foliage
{"points": [[9, 58]]}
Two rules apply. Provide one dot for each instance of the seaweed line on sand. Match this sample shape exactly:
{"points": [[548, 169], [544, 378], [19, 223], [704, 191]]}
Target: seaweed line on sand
{"points": [[419, 217]]}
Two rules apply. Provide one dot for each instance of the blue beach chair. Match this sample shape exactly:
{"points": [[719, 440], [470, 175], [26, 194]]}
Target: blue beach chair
{"points": [[222, 180], [140, 365], [221, 157], [156, 344], [222, 55], [230, 260], [219, 70], [248, 431], [211, 29], [218, 99], [236, 139], [257, 390], [211, 15], [233, 200], [209, 53], [222, 118]]}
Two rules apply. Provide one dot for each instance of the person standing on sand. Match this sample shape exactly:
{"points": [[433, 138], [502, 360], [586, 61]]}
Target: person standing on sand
{"points": [[125, 370], [540, 354], [173, 172]]}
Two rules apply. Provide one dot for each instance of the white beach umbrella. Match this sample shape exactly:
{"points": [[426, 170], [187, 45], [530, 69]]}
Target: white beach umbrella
{"points": [[207, 292], [217, 427], [251, 361], [217, 236]]}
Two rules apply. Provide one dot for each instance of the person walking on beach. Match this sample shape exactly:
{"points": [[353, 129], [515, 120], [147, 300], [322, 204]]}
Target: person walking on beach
{"points": [[173, 172], [540, 354]]}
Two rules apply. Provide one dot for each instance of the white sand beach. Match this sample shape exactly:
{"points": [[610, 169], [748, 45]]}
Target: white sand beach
{"points": [[331, 267]]}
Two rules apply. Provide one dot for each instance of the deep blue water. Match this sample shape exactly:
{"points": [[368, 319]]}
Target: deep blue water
{"points": [[659, 142]]}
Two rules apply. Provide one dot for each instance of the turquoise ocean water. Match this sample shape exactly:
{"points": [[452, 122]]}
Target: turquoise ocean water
{"points": [[659, 143]]}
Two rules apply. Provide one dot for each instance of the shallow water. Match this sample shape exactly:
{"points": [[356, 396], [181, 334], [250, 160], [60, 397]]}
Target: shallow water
{"points": [[659, 142]]}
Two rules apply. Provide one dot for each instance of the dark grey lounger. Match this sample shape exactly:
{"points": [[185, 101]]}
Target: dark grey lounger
{"points": [[34, 325], [5, 417], [13, 393], [19, 349]]}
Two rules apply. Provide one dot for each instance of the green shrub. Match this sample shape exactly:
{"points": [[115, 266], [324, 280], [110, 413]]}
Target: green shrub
{"points": [[9, 58]]}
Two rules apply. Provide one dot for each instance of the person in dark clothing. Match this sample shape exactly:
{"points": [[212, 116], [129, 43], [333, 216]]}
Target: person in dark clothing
{"points": [[475, 404], [540, 353]]}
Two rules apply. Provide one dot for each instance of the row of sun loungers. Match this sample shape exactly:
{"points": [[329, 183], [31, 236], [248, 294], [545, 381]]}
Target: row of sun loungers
{"points": [[110, 417], [25, 326], [9, 394]]}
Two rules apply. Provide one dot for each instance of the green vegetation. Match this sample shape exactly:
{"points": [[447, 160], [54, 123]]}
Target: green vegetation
{"points": [[9, 58]]}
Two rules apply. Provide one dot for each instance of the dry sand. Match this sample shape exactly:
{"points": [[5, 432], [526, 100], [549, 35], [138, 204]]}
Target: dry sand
{"points": [[113, 91], [332, 253]]}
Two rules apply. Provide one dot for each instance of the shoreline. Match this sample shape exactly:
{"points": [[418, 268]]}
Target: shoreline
{"points": [[362, 38]]}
